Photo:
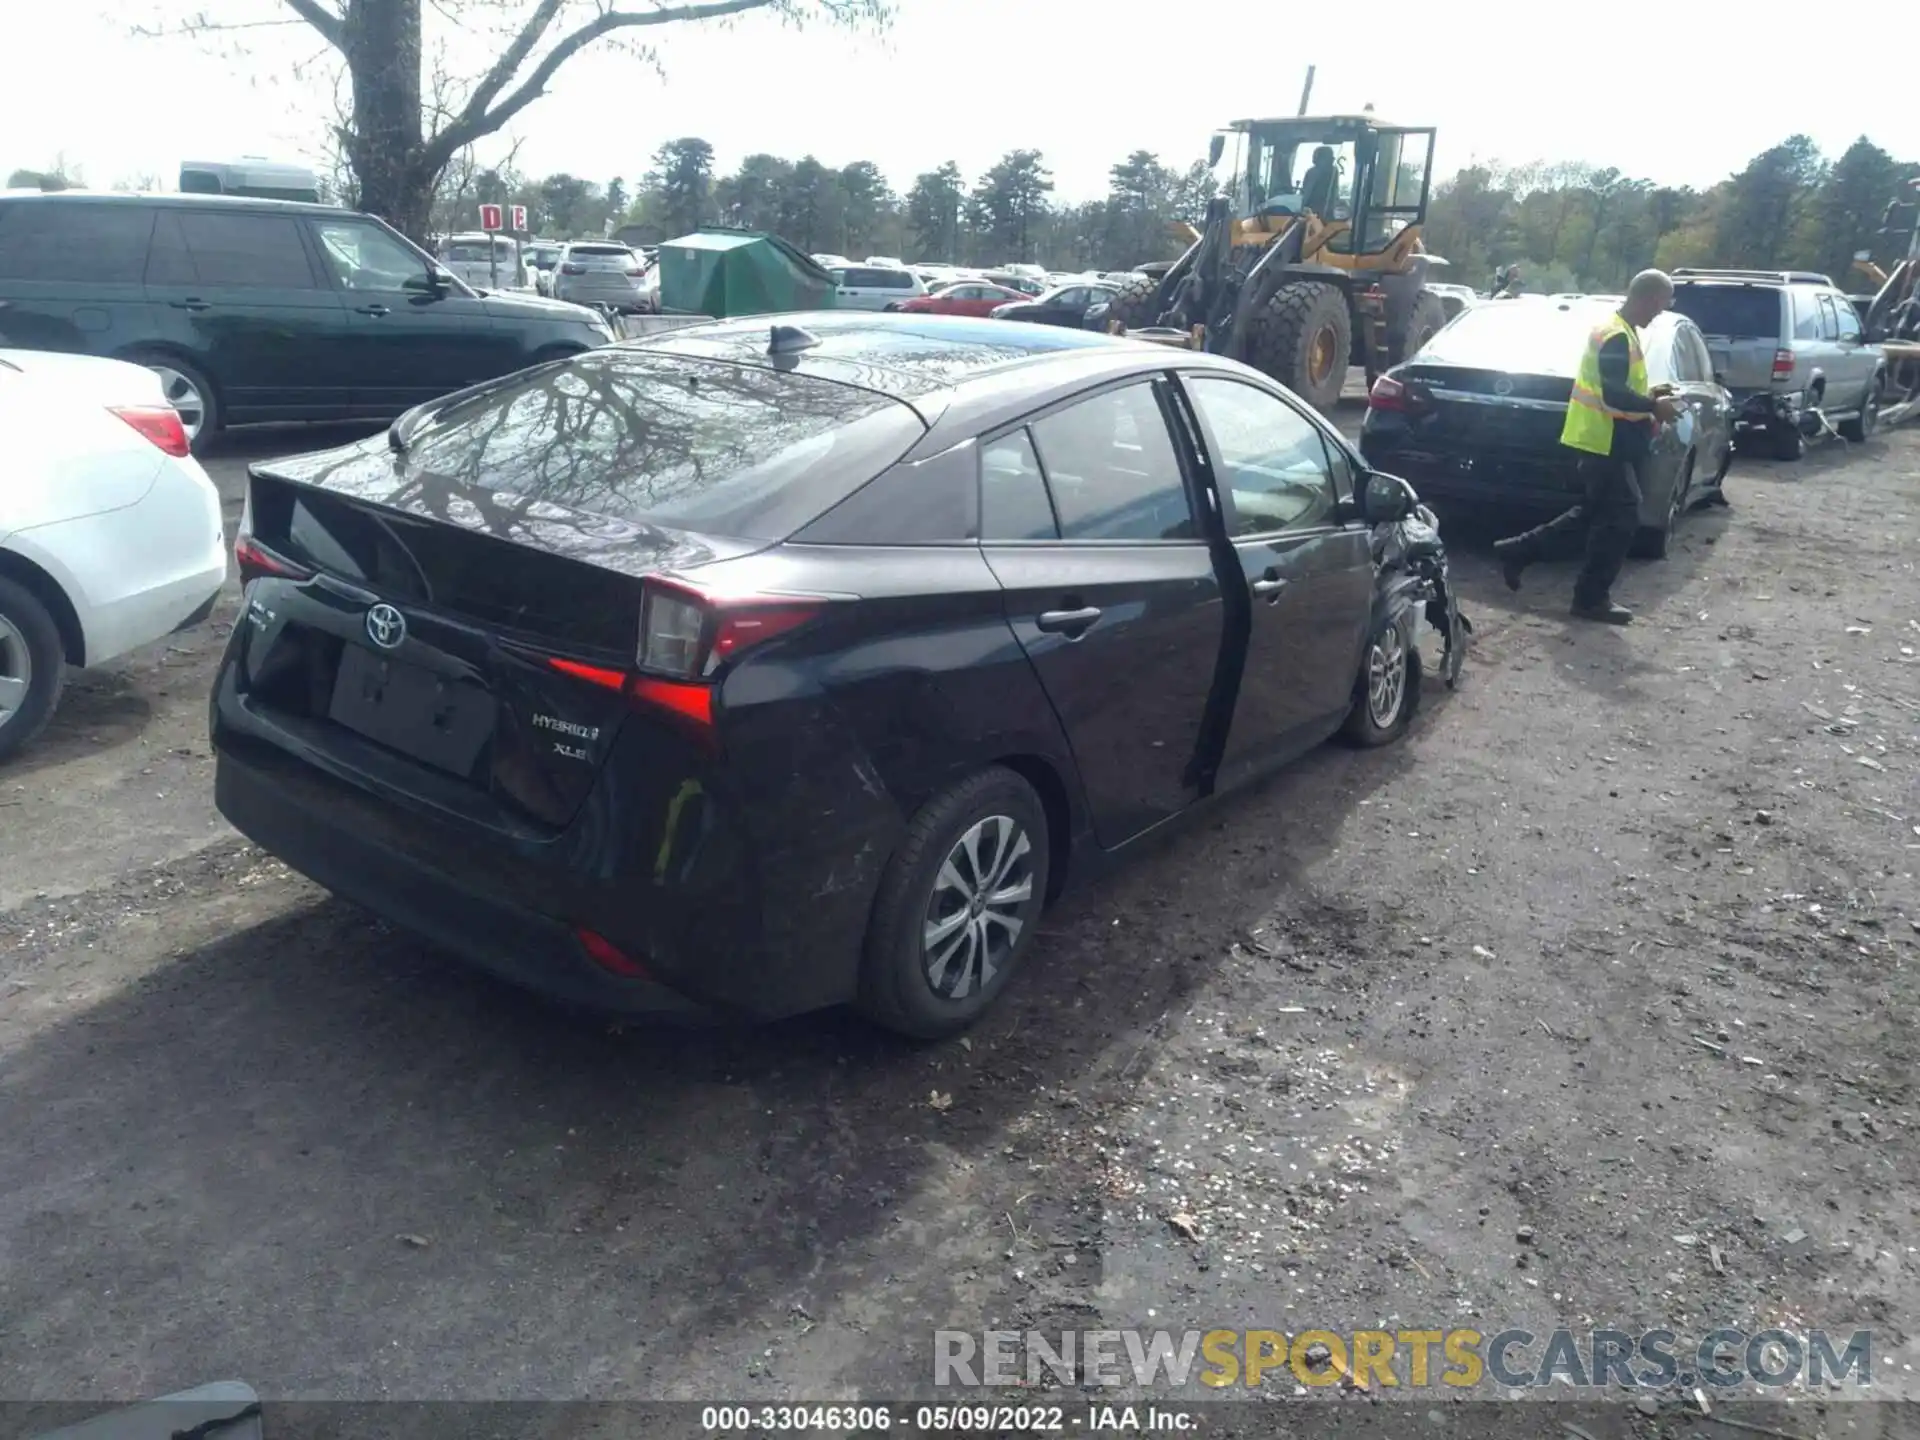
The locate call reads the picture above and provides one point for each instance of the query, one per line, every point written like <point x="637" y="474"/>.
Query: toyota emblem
<point x="386" y="627"/>
<point x="1503" y="386"/>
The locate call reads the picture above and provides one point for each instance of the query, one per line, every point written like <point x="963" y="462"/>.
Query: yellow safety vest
<point x="1589" y="425"/>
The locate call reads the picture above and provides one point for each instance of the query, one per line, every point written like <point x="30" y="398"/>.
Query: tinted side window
<point x="1268" y="455"/>
<point x="895" y="280"/>
<point x="1112" y="469"/>
<point x="47" y="240"/>
<point x="1013" y="496"/>
<point x="249" y="251"/>
<point x="1829" y="322"/>
<point x="857" y="278"/>
<point x="1806" y="315"/>
<point x="935" y="501"/>
<point x="1848" y="317"/>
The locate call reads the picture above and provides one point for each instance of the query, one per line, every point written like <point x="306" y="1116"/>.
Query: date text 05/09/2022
<point x="987" y="1419"/>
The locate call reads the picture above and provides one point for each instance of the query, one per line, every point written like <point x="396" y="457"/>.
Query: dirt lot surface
<point x="1590" y="1004"/>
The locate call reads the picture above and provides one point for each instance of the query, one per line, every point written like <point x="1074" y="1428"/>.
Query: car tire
<point x="30" y="650"/>
<point x="1387" y="690"/>
<point x="1786" y="442"/>
<point x="1860" y="429"/>
<point x="925" y="982"/>
<point x="189" y="392"/>
<point x="1650" y="541"/>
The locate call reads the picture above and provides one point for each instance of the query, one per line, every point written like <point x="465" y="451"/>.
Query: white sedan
<point x="110" y="533"/>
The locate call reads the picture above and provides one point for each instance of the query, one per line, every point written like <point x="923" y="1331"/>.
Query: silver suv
<point x="604" y="274"/>
<point x="1787" y="343"/>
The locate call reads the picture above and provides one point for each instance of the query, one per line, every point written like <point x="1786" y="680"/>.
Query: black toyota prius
<point x="776" y="664"/>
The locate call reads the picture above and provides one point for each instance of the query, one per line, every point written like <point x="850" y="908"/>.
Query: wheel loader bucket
<point x="1168" y="335"/>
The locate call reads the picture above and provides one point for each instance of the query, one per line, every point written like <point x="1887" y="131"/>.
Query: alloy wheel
<point x="16" y="671"/>
<point x="185" y="397"/>
<point x="1386" y="677"/>
<point x="974" y="918"/>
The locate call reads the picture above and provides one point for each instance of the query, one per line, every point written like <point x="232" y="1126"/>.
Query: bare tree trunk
<point x="381" y="39"/>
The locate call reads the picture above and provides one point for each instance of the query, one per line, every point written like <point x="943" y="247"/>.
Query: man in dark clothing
<point x="1320" y="187"/>
<point x="1610" y="421"/>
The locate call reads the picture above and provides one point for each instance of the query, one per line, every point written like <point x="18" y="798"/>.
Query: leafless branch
<point x="200" y="25"/>
<point x="327" y="22"/>
<point x="476" y="119"/>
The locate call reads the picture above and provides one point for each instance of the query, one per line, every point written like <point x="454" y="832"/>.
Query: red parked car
<point x="963" y="297"/>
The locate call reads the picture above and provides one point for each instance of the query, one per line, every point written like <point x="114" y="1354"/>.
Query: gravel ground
<point x="1589" y="1004"/>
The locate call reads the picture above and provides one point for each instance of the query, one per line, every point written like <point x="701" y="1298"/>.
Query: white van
<point x="466" y="256"/>
<point x="874" y="287"/>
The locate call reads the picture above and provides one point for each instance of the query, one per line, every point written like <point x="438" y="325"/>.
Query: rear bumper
<point x="621" y="297"/>
<point x="538" y="952"/>
<point x="741" y="885"/>
<point x="1768" y="407"/>
<point x="1546" y="482"/>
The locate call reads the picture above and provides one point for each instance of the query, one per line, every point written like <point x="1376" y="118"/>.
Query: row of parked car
<point x="1760" y="362"/>
<point x="1025" y="292"/>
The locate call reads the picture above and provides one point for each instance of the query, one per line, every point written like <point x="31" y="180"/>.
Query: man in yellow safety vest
<point x="1610" y="421"/>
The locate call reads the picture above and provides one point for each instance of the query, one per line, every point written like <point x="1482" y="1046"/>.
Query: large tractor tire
<point x="1133" y="307"/>
<point x="1304" y="339"/>
<point x="1429" y="315"/>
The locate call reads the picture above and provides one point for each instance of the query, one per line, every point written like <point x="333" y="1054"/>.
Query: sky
<point x="962" y="80"/>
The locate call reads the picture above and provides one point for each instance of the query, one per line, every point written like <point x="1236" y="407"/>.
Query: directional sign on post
<point x="519" y="218"/>
<point x="490" y="217"/>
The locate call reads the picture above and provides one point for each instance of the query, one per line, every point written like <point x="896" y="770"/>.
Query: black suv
<point x="262" y="310"/>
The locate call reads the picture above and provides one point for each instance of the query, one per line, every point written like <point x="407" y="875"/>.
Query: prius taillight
<point x="686" y="635"/>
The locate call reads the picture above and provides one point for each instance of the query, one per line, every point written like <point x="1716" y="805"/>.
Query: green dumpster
<point x="724" y="273"/>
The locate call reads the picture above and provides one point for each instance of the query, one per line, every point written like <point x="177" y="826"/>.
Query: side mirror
<point x="1216" y="147"/>
<point x="434" y="282"/>
<point x="1386" y="499"/>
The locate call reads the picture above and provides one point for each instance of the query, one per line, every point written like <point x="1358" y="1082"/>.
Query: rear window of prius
<point x="688" y="444"/>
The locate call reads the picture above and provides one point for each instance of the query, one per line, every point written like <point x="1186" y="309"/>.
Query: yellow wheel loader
<point x="1892" y="317"/>
<point x="1311" y="262"/>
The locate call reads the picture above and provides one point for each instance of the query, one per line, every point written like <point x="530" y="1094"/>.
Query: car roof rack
<point x="1767" y="277"/>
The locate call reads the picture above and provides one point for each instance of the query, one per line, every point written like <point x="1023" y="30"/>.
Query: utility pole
<point x="1306" y="91"/>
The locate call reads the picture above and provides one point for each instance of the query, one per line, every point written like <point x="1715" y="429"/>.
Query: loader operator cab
<point x="1348" y="170"/>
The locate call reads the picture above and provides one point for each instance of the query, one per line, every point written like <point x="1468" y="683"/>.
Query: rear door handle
<point x="1071" y="623"/>
<point x="371" y="310"/>
<point x="1269" y="588"/>
<point x="190" y="305"/>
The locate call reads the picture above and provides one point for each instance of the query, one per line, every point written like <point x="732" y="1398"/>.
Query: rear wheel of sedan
<point x="32" y="666"/>
<point x="957" y="907"/>
<point x="1387" y="690"/>
<point x="1650" y="541"/>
